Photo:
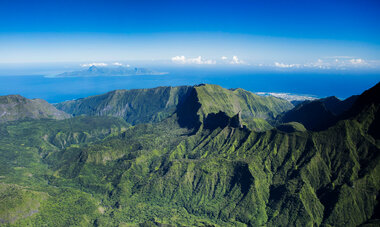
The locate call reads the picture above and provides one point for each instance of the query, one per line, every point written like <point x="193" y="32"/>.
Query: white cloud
<point x="198" y="60"/>
<point x="337" y="63"/>
<point x="236" y="60"/>
<point x="357" y="61"/>
<point x="283" y="65"/>
<point x="224" y="58"/>
<point x="117" y="64"/>
<point x="179" y="59"/>
<point x="94" y="64"/>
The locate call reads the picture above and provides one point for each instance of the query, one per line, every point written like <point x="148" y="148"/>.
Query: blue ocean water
<point x="60" y="89"/>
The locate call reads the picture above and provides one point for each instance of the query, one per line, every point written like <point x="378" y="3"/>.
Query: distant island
<point x="95" y="71"/>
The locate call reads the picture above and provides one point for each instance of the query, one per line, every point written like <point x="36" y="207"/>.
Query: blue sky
<point x="281" y="34"/>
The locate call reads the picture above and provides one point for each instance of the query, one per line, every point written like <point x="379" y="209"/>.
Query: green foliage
<point x="64" y="207"/>
<point x="18" y="202"/>
<point x="24" y="144"/>
<point x="291" y="127"/>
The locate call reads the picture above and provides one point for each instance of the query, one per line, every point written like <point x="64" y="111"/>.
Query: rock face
<point x="16" y="107"/>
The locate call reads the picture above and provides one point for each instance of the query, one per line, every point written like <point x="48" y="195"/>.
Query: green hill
<point x="16" y="107"/>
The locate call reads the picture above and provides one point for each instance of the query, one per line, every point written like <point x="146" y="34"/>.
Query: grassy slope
<point x="25" y="186"/>
<point x="255" y="110"/>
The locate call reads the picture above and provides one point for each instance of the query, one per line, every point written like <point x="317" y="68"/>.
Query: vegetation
<point x="198" y="167"/>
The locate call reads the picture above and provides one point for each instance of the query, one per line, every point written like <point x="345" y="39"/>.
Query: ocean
<point x="56" y="90"/>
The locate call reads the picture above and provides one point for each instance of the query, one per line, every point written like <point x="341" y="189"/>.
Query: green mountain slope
<point x="25" y="188"/>
<point x="153" y="105"/>
<point x="254" y="110"/>
<point x="16" y="107"/>
<point x="220" y="174"/>
<point x="206" y="100"/>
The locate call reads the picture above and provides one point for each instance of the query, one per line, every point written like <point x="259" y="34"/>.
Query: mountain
<point x="16" y="107"/>
<point x="200" y="166"/>
<point x="109" y="71"/>
<point x="254" y="110"/>
<point x="318" y="114"/>
<point x="135" y="106"/>
<point x="153" y="105"/>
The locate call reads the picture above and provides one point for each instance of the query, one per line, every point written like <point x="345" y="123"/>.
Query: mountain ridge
<point x="151" y="103"/>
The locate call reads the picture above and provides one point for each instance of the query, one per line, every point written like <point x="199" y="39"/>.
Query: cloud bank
<point x="336" y="62"/>
<point x="283" y="65"/>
